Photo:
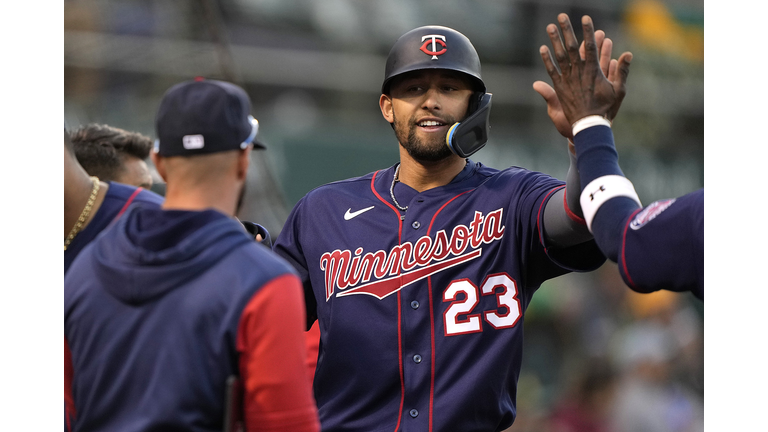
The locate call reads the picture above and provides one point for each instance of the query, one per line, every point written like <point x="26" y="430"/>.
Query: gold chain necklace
<point x="84" y="214"/>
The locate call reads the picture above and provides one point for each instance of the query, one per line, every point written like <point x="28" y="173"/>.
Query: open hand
<point x="581" y="86"/>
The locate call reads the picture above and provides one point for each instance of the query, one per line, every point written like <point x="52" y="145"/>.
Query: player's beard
<point x="431" y="150"/>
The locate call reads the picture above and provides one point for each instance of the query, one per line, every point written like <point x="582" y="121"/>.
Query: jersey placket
<point x="417" y="329"/>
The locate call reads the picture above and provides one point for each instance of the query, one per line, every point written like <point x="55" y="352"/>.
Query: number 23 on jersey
<point x="459" y="319"/>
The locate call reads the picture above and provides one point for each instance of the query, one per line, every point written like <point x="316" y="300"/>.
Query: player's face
<point x="424" y="105"/>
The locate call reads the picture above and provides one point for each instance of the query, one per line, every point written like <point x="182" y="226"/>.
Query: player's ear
<point x="385" y="103"/>
<point x="243" y="160"/>
<point x="159" y="163"/>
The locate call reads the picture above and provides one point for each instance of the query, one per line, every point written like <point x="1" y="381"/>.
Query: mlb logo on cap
<point x="193" y="141"/>
<point x="204" y="116"/>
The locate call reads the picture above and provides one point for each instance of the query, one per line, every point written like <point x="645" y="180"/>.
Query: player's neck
<point x="423" y="176"/>
<point x="77" y="191"/>
<point x="199" y="198"/>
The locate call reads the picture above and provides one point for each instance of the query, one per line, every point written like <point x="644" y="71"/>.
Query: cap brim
<point x="258" y="144"/>
<point x="252" y="137"/>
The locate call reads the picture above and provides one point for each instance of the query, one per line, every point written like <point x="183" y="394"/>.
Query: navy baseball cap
<point x="204" y="116"/>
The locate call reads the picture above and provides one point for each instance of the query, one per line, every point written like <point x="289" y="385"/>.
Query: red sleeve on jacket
<point x="312" y="337"/>
<point x="69" y="373"/>
<point x="270" y="340"/>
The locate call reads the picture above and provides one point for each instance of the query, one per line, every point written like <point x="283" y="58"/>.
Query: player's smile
<point x="433" y="124"/>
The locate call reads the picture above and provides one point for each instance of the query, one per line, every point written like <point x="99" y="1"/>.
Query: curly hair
<point x="101" y="149"/>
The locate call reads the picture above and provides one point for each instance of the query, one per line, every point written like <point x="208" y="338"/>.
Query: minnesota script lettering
<point x="344" y="270"/>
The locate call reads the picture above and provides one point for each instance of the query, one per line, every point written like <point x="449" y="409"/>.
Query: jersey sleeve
<point x="277" y="395"/>
<point x="662" y="246"/>
<point x="288" y="246"/>
<point x="541" y="262"/>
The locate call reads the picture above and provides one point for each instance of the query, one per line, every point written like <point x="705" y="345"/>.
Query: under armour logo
<point x="592" y="195"/>
<point x="433" y="40"/>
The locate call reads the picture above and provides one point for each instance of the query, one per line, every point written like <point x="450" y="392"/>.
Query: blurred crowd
<point x="599" y="357"/>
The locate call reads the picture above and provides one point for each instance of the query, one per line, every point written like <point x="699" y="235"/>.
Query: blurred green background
<point x="313" y="70"/>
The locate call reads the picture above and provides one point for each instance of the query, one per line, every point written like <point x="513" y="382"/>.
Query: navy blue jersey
<point x="162" y="308"/>
<point x="663" y="246"/>
<point x="114" y="201"/>
<point x="420" y="312"/>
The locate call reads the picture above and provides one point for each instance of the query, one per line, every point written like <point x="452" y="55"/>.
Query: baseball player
<point x="168" y="310"/>
<point x="90" y="205"/>
<point x="657" y="247"/>
<point x="419" y="274"/>
<point x="112" y="153"/>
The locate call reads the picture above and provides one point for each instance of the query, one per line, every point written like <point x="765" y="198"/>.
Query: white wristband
<point x="600" y="190"/>
<point x="589" y="121"/>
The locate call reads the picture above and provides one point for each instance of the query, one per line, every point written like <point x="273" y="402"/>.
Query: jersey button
<point x="414" y="304"/>
<point x="417" y="358"/>
<point x="414" y="413"/>
<point x="416" y="225"/>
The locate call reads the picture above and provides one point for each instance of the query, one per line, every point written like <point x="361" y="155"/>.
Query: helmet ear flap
<point x="474" y="102"/>
<point x="470" y="135"/>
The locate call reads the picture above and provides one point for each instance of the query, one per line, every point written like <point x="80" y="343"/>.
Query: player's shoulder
<point x="350" y="187"/>
<point x="513" y="174"/>
<point x="123" y="192"/>
<point x="257" y="266"/>
<point x="693" y="199"/>
<point x="260" y="259"/>
<point x="353" y="182"/>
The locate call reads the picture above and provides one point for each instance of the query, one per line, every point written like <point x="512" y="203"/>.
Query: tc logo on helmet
<point x="433" y="40"/>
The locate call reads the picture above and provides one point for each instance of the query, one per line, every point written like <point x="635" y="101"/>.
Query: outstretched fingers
<point x="559" y="50"/>
<point x="599" y="38"/>
<point x="571" y="44"/>
<point x="605" y="55"/>
<point x="622" y="73"/>
<point x="617" y="75"/>
<point x="623" y="66"/>
<point x="590" y="45"/>
<point x="546" y="91"/>
<point x="549" y="65"/>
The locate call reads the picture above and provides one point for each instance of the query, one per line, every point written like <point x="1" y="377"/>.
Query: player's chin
<point x="428" y="152"/>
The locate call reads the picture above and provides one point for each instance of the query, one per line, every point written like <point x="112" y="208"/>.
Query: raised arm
<point x="587" y="98"/>
<point x="658" y="247"/>
<point x="563" y="218"/>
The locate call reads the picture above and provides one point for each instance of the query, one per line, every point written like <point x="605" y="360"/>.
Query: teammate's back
<point x="155" y="352"/>
<point x="165" y="307"/>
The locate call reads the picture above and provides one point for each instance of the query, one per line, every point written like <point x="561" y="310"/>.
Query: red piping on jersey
<point x="432" y="318"/>
<point x="574" y="217"/>
<point x="432" y="334"/>
<point x="127" y="203"/>
<point x="630" y="282"/>
<point x="399" y="304"/>
<point x="538" y="215"/>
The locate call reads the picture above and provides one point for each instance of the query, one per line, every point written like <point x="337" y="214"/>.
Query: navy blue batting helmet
<point x="433" y="47"/>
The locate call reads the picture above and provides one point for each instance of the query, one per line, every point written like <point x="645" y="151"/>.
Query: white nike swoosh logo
<point x="349" y="215"/>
